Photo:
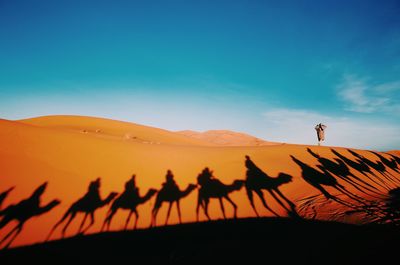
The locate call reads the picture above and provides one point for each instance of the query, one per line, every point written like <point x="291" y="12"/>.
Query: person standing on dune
<point x="320" y="128"/>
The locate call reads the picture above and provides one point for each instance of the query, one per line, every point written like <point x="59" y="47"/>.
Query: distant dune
<point x="71" y="151"/>
<point x="226" y="138"/>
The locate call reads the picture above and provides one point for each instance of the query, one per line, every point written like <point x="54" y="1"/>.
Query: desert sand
<point x="226" y="138"/>
<point x="70" y="151"/>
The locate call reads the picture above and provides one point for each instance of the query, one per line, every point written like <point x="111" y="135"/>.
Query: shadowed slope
<point x="240" y="241"/>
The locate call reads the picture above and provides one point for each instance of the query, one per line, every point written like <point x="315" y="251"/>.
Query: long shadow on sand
<point x="320" y="179"/>
<point x="362" y="168"/>
<point x="171" y="194"/>
<point x="24" y="211"/>
<point x="88" y="204"/>
<point x="338" y="168"/>
<point x="257" y="181"/>
<point x="129" y="199"/>
<point x="211" y="187"/>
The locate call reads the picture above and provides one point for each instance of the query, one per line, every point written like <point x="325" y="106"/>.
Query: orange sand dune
<point x="68" y="152"/>
<point x="226" y="138"/>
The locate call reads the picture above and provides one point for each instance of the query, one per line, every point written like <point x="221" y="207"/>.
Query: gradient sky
<point x="273" y="69"/>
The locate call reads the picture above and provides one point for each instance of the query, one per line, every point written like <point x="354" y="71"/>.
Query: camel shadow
<point x="392" y="163"/>
<point x="3" y="196"/>
<point x="130" y="199"/>
<point x="23" y="211"/>
<point x="321" y="179"/>
<point x="171" y="194"/>
<point x="211" y="187"/>
<point x="378" y="167"/>
<point x="257" y="181"/>
<point x="362" y="168"/>
<point x="338" y="168"/>
<point x="88" y="204"/>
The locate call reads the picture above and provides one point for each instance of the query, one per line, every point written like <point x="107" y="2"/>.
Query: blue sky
<point x="269" y="68"/>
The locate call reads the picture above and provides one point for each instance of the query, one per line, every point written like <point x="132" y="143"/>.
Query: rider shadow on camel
<point x="211" y="187"/>
<point x="257" y="181"/>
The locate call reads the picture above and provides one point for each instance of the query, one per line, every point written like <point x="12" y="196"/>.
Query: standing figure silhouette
<point x="320" y="128"/>
<point x="23" y="211"/>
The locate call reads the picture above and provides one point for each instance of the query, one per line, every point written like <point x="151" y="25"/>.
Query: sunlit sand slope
<point x="70" y="152"/>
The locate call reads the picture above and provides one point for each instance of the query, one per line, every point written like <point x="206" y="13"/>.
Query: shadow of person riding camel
<point x="362" y="168"/>
<point x="391" y="181"/>
<point x="211" y="187"/>
<point x="319" y="179"/>
<point x="338" y="168"/>
<point x="24" y="211"/>
<point x="257" y="181"/>
<point x="130" y="199"/>
<point x="171" y="194"/>
<point x="88" y="204"/>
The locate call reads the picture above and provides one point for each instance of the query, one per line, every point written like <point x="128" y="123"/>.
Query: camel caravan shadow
<point x="379" y="182"/>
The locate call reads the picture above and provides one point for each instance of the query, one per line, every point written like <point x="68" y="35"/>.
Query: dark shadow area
<point x="257" y="181"/>
<point x="339" y="169"/>
<point x="213" y="188"/>
<point x="319" y="179"/>
<point x="392" y="207"/>
<point x="129" y="199"/>
<point x="88" y="204"/>
<point x="362" y="168"/>
<point x="232" y="241"/>
<point x="24" y="211"/>
<point x="392" y="164"/>
<point x="171" y="194"/>
<point x="3" y="196"/>
<point x="395" y="158"/>
<point x="378" y="167"/>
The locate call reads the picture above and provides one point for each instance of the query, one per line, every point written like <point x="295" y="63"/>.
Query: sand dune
<point x="71" y="151"/>
<point x="226" y="138"/>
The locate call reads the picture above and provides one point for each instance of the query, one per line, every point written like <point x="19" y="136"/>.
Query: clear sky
<point x="273" y="69"/>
